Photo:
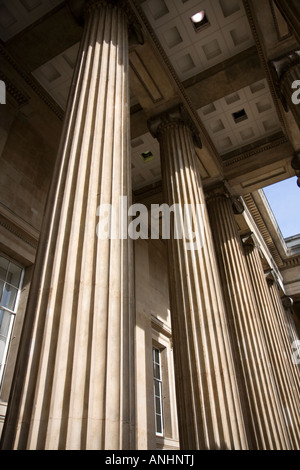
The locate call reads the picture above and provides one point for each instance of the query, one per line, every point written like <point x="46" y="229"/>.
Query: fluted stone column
<point x="287" y="79"/>
<point x="290" y="10"/>
<point x="274" y="336"/>
<point x="209" y="412"/>
<point x="290" y="335"/>
<point x="73" y="386"/>
<point x="265" y="420"/>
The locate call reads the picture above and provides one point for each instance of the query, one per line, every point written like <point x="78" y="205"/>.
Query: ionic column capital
<point x="223" y="191"/>
<point x="284" y="64"/>
<point x="81" y="9"/>
<point x="287" y="302"/>
<point x="172" y="118"/>
<point x="295" y="163"/>
<point x="286" y="70"/>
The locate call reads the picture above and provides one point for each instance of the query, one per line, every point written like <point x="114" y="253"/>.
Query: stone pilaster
<point x="287" y="77"/>
<point x="73" y="387"/>
<point x="290" y="10"/>
<point x="274" y="336"/>
<point x="209" y="411"/>
<point x="265" y="421"/>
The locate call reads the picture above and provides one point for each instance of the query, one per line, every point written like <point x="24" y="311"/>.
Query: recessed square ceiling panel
<point x="192" y="50"/>
<point x="55" y="76"/>
<point x="145" y="171"/>
<point x="16" y="15"/>
<point x="241" y="118"/>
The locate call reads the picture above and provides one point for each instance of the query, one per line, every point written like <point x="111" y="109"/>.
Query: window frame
<point x="12" y="313"/>
<point x="159" y="381"/>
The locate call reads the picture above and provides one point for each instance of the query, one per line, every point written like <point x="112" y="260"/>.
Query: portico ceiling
<point x="236" y="115"/>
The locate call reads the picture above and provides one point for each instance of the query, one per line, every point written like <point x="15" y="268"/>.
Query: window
<point x="10" y="283"/>
<point x="158" y="402"/>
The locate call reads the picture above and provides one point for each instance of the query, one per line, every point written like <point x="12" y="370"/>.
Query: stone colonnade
<point x="275" y="330"/>
<point x="74" y="380"/>
<point x="265" y="418"/>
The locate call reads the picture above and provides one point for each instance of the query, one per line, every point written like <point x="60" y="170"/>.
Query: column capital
<point x="283" y="64"/>
<point x="249" y="240"/>
<point x="175" y="116"/>
<point x="296" y="160"/>
<point x="80" y="8"/>
<point x="251" y="243"/>
<point x="223" y="190"/>
<point x="287" y="302"/>
<point x="295" y="164"/>
<point x="280" y="67"/>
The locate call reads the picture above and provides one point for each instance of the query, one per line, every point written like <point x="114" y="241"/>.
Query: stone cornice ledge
<point x="239" y="156"/>
<point x="18" y="227"/>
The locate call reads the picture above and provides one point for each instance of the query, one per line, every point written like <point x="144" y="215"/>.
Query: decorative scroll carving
<point x="177" y="114"/>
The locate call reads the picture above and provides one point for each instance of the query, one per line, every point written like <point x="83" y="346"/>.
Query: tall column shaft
<point x="288" y="336"/>
<point x="75" y="372"/>
<point x="274" y="339"/>
<point x="265" y="421"/>
<point x="209" y="412"/>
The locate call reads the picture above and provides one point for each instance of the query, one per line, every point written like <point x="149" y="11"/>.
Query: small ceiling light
<point x="147" y="156"/>
<point x="239" y="116"/>
<point x="199" y="20"/>
<point x="198" y="17"/>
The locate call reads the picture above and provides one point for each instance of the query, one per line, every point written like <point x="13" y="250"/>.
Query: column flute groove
<point x="208" y="403"/>
<point x="265" y="422"/>
<point x="276" y="300"/>
<point x="74" y="382"/>
<point x="274" y="339"/>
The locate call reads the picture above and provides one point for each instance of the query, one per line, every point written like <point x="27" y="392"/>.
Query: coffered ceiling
<point x="241" y="118"/>
<point x="193" y="51"/>
<point x="16" y="15"/>
<point x="233" y="116"/>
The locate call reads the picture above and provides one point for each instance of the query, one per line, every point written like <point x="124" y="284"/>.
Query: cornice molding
<point x="238" y="157"/>
<point x="18" y="227"/>
<point x="291" y="263"/>
<point x="18" y="96"/>
<point x="32" y="83"/>
<point x="263" y="229"/>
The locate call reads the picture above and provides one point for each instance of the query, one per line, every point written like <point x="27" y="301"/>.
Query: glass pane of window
<point x="157" y="406"/>
<point x="14" y="275"/>
<point x="5" y="323"/>
<point x="156" y="355"/>
<point x="158" y="425"/>
<point x="156" y="371"/>
<point x="156" y="388"/>
<point x="9" y="296"/>
<point x="3" y="267"/>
